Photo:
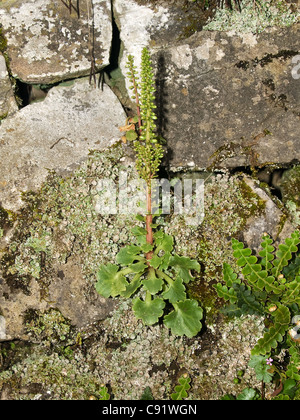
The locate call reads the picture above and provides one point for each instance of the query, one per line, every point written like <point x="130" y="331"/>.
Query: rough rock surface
<point x="7" y="100"/>
<point x="2" y="328"/>
<point x="224" y="99"/>
<point x="227" y="100"/>
<point x="272" y="221"/>
<point x="137" y="24"/>
<point x="67" y="293"/>
<point x="75" y="240"/>
<point x="46" y="43"/>
<point x="154" y="24"/>
<point x="56" y="134"/>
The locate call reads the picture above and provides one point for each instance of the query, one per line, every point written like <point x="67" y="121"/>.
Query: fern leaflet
<point x="253" y="272"/>
<point x="275" y="334"/>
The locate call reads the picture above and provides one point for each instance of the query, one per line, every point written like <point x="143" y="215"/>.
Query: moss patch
<point x="290" y="190"/>
<point x="290" y="185"/>
<point x="3" y="41"/>
<point x="128" y="357"/>
<point x="229" y="203"/>
<point x="250" y="19"/>
<point x="61" y="221"/>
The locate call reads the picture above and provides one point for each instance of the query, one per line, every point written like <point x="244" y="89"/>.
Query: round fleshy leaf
<point x="185" y="319"/>
<point x="149" y="311"/>
<point x="111" y="281"/>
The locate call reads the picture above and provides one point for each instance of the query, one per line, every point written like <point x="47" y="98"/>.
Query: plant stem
<point x="262" y="390"/>
<point x="148" y="297"/>
<point x="164" y="276"/>
<point x="149" y="153"/>
<point x="149" y="219"/>
<point x="136" y="94"/>
<point x="138" y="110"/>
<point x="126" y="271"/>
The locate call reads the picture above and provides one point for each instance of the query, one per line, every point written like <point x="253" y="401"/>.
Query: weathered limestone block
<point x="7" y="100"/>
<point x="152" y="24"/>
<point x="226" y="100"/>
<point x="55" y="134"/>
<point x="66" y="293"/>
<point x="46" y="43"/>
<point x="272" y="220"/>
<point x="2" y="328"/>
<point x="137" y="23"/>
<point x="157" y="22"/>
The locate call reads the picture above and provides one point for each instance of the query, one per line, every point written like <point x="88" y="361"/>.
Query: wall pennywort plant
<point x="150" y="264"/>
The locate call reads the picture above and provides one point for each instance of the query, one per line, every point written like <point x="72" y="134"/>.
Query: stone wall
<point x="224" y="99"/>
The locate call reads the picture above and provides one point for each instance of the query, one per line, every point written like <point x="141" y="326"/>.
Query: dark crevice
<point x="115" y="46"/>
<point x="27" y="93"/>
<point x="269" y="175"/>
<point x="22" y="93"/>
<point x="113" y="75"/>
<point x="247" y="170"/>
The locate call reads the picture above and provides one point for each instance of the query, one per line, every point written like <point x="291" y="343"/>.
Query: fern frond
<point x="292" y="294"/>
<point x="293" y="370"/>
<point x="254" y="273"/>
<point x="267" y="252"/>
<point x="182" y="388"/>
<point x="231" y="311"/>
<point x="293" y="269"/>
<point x="247" y="301"/>
<point x="230" y="277"/>
<point x="275" y="334"/>
<point x="225" y="292"/>
<point x="267" y="342"/>
<point x="284" y="253"/>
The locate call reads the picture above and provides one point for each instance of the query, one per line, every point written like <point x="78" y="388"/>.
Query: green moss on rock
<point x="253" y="19"/>
<point x="62" y="219"/>
<point x="128" y="357"/>
<point x="229" y="203"/>
<point x="290" y="190"/>
<point x="120" y="352"/>
<point x="290" y="185"/>
<point x="3" y="41"/>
